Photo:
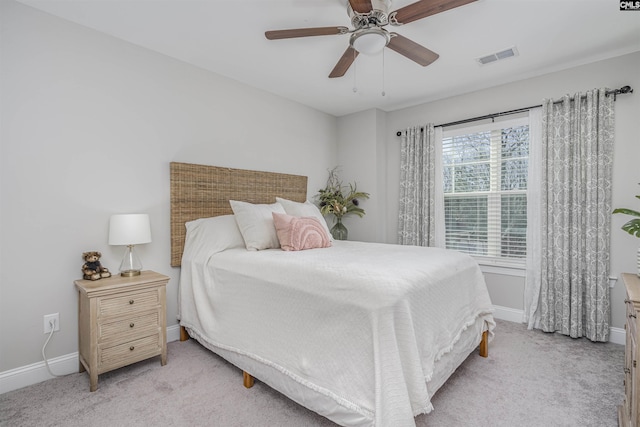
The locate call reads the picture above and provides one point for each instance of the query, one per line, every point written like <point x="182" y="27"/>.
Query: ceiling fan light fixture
<point x="370" y="40"/>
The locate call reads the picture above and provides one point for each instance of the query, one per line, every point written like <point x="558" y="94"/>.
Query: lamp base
<point x="130" y="273"/>
<point x="130" y="265"/>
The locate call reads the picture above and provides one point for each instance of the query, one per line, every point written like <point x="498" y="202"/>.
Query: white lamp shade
<point x="129" y="229"/>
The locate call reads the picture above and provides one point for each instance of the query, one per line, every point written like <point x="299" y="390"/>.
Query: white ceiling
<point x="227" y="37"/>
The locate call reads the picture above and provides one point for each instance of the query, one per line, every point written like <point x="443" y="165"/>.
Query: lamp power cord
<point x="52" y="323"/>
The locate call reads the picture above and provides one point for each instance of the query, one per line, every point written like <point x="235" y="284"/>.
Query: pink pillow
<point x="298" y="233"/>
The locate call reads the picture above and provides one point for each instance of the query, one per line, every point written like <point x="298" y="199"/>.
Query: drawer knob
<point x="130" y="301"/>
<point x="131" y="325"/>
<point x="131" y="348"/>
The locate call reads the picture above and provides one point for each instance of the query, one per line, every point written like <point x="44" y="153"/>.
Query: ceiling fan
<point x="369" y="17"/>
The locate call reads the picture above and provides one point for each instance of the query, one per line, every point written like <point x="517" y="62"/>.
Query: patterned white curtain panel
<point x="421" y="198"/>
<point x="577" y="155"/>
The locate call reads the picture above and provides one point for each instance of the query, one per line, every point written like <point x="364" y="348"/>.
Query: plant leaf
<point x="627" y="212"/>
<point x="632" y="227"/>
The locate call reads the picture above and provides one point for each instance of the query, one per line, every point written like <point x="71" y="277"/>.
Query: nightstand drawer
<point x="130" y="327"/>
<point x="124" y="354"/>
<point x="127" y="304"/>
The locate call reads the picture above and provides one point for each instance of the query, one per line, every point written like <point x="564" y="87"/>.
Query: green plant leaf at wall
<point x="632" y="227"/>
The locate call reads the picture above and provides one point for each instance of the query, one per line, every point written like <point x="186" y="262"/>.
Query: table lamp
<point x="129" y="230"/>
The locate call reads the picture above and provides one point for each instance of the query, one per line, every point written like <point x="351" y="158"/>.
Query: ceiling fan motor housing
<point x="377" y="17"/>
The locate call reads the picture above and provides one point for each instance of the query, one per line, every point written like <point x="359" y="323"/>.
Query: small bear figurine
<point x="92" y="269"/>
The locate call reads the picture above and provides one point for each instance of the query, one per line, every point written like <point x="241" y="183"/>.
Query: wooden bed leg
<point x="247" y="380"/>
<point x="484" y="344"/>
<point x="184" y="335"/>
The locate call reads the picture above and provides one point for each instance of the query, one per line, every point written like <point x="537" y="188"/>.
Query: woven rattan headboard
<point x="199" y="191"/>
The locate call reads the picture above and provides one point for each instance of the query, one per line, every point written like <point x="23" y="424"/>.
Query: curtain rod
<point x="615" y="92"/>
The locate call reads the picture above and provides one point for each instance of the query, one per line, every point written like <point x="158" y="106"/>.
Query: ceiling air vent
<point x="504" y="54"/>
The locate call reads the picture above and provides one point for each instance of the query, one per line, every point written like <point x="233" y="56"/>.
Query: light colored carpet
<point x="530" y="379"/>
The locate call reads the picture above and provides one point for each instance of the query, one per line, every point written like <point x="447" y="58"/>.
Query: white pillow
<point x="256" y="224"/>
<point x="206" y="236"/>
<point x="304" y="209"/>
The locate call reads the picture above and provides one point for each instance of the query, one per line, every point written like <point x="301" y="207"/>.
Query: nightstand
<point x="121" y="320"/>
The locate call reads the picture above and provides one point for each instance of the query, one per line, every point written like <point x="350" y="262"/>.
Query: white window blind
<point x="485" y="189"/>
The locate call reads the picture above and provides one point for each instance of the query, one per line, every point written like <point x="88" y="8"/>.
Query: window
<point x="485" y="189"/>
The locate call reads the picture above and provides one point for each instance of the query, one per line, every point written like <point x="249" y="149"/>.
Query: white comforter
<point x="360" y="323"/>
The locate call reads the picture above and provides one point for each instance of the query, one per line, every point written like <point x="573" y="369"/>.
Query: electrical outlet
<point x="56" y="319"/>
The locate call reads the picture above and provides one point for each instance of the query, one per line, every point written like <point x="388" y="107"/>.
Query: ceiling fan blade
<point x="305" y="32"/>
<point x="412" y="50"/>
<point x="422" y="9"/>
<point x="344" y="63"/>
<point x="361" y="6"/>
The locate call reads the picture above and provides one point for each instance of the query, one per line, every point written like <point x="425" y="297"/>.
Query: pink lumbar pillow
<point x="298" y="233"/>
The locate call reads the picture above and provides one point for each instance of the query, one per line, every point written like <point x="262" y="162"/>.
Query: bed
<point x="361" y="333"/>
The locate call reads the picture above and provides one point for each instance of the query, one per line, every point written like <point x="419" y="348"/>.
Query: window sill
<point x="501" y="267"/>
<point x="517" y="270"/>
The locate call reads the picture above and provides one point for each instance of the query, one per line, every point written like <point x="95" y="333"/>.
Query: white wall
<point x="89" y="124"/>
<point x="361" y="157"/>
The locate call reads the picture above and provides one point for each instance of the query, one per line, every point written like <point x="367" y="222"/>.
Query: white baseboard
<point x="37" y="372"/>
<point x="616" y="335"/>
<point x="173" y="333"/>
<point x="64" y="365"/>
<point x="69" y="363"/>
<point x="509" y="314"/>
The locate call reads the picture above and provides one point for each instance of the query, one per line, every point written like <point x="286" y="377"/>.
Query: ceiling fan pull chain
<point x="383" y="73"/>
<point x="355" y="85"/>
